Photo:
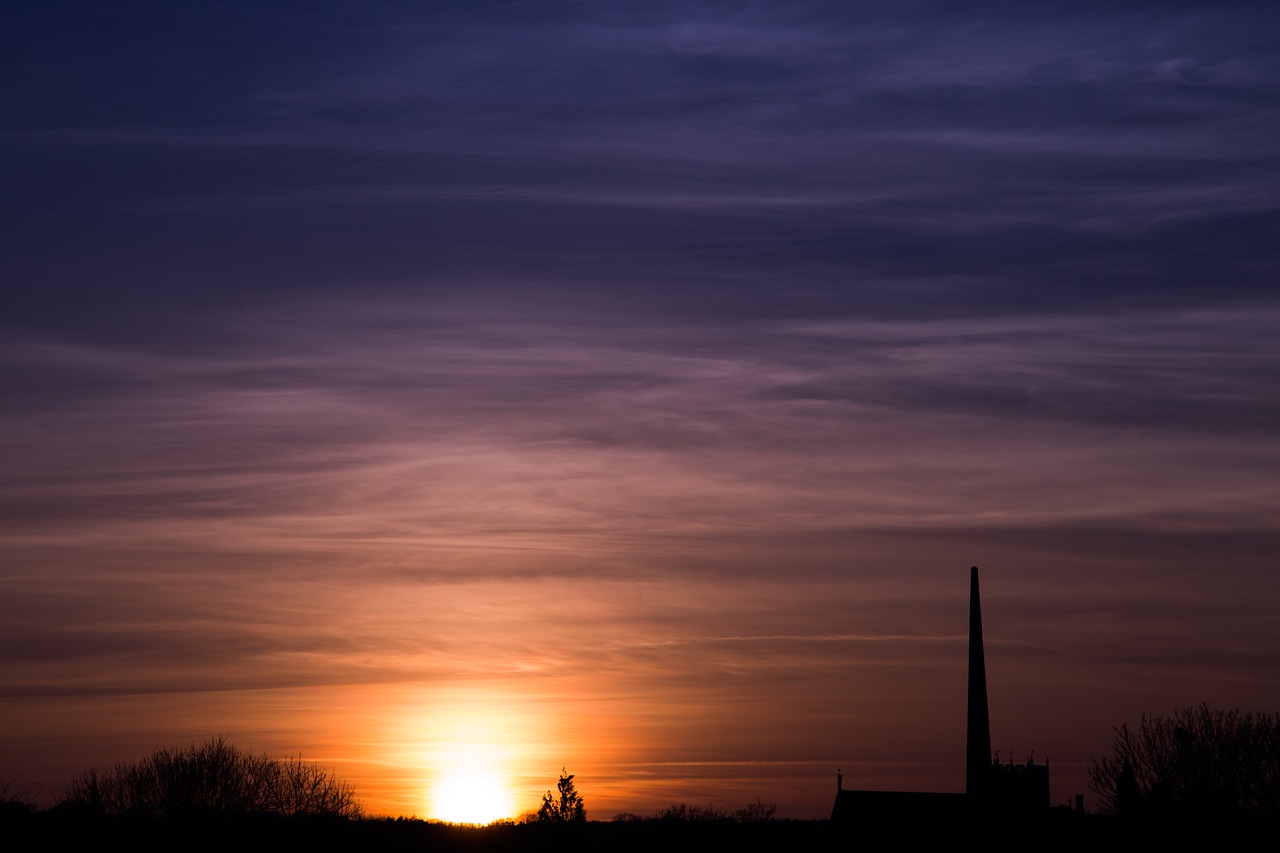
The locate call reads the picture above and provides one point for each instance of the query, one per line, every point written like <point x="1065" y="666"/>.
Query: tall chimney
<point x="978" y="752"/>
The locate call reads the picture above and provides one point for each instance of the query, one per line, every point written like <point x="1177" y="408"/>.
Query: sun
<point x="471" y="774"/>
<point x="463" y="746"/>
<point x="471" y="795"/>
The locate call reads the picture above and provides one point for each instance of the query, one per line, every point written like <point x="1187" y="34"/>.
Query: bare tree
<point x="212" y="778"/>
<point x="1197" y="760"/>
<point x="299" y="787"/>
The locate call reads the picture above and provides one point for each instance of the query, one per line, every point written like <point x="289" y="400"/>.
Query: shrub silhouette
<point x="17" y="803"/>
<point x="684" y="812"/>
<point x="1198" y="761"/>
<point x="569" y="808"/>
<point x="211" y="779"/>
<point x="756" y="812"/>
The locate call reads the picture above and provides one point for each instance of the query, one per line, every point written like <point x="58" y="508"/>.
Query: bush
<point x="1197" y="761"/>
<point x="211" y="779"/>
<point x="756" y="812"/>
<point x="685" y="812"/>
<point x="17" y="803"/>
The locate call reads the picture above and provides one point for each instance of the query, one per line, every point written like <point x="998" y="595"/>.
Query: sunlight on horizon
<point x="472" y="796"/>
<point x="468" y="748"/>
<point x="471" y="767"/>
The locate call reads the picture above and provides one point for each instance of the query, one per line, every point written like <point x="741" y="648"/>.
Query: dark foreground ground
<point x="51" y="830"/>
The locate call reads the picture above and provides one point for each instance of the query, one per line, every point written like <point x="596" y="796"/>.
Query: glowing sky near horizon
<point x="461" y="394"/>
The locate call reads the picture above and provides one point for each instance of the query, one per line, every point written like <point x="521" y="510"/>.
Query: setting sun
<point x="471" y="796"/>
<point x="477" y="403"/>
<point x="469" y="753"/>
<point x="471" y="779"/>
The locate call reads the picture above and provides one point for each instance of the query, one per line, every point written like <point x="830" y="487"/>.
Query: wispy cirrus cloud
<point x="665" y="362"/>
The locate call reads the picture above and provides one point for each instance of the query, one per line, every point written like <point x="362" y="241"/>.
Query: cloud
<point x="394" y="492"/>
<point x="682" y="352"/>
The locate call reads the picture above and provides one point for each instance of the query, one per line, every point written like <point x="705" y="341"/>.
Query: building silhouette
<point x="991" y="788"/>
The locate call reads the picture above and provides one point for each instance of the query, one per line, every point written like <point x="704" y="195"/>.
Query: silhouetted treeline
<point x="1200" y="777"/>
<point x="1065" y="832"/>
<point x="1197" y="762"/>
<point x="54" y="830"/>
<point x="1061" y="830"/>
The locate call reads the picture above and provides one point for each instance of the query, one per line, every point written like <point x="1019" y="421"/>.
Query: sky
<point x="451" y="393"/>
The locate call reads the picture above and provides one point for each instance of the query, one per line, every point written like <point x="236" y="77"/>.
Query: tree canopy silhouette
<point x="569" y="808"/>
<point x="212" y="779"/>
<point x="1197" y="761"/>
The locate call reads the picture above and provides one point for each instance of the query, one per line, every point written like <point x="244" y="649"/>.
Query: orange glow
<point x="464" y="746"/>
<point x="470" y="760"/>
<point x="470" y="793"/>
